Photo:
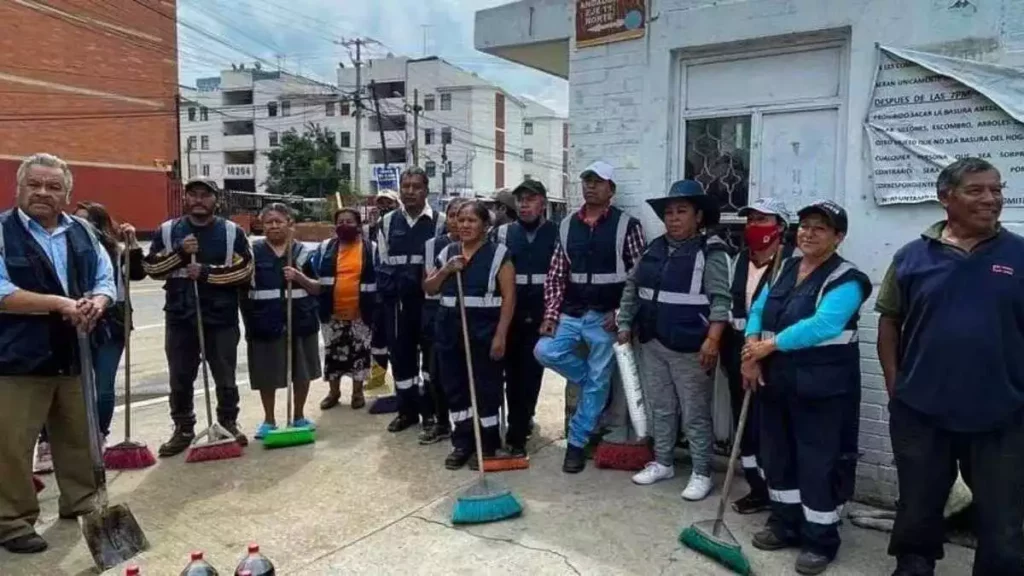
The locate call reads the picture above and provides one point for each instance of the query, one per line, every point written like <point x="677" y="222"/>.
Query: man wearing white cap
<point x="599" y="245"/>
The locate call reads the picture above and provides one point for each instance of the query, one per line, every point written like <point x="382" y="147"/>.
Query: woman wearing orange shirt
<point x="348" y="285"/>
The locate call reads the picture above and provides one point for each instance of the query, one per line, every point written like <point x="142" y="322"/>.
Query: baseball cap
<point x="530" y="187"/>
<point x="834" y="213"/>
<point x="390" y="195"/>
<point x="506" y="199"/>
<point x="601" y="169"/>
<point x="201" y="181"/>
<point x="770" y="206"/>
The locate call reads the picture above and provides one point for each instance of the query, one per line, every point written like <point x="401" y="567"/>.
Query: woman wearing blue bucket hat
<point x="677" y="301"/>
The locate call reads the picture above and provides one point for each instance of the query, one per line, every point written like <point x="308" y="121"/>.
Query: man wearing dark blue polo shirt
<point x="951" y="344"/>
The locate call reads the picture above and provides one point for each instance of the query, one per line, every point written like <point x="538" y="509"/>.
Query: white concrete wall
<point x="624" y="108"/>
<point x="546" y="143"/>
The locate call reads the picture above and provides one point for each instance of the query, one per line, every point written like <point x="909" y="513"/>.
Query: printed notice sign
<point x="604" y="21"/>
<point x="920" y="120"/>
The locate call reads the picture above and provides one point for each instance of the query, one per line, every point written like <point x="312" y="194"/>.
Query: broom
<point x="289" y="436"/>
<point x="631" y="456"/>
<point x="128" y="455"/>
<point x="220" y="444"/>
<point x="38" y="484"/>
<point x="711" y="537"/>
<point x="386" y="404"/>
<point x="485" y="500"/>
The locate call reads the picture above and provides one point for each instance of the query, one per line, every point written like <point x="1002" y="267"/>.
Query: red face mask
<point x="761" y="236"/>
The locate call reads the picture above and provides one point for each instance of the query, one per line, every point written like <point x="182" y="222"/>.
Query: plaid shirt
<point x="558" y="272"/>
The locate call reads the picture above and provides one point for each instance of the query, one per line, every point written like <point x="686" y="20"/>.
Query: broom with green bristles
<point x="290" y="435"/>
<point x="486" y="500"/>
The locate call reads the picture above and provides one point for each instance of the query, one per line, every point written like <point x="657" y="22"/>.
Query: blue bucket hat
<point x="693" y="192"/>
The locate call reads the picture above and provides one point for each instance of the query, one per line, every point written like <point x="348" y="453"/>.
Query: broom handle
<point x="731" y="470"/>
<point x="288" y="336"/>
<point x="202" y="350"/>
<point x="126" y="283"/>
<point x="472" y="381"/>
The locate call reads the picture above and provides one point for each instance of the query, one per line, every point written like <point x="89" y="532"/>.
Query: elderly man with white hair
<point x="55" y="278"/>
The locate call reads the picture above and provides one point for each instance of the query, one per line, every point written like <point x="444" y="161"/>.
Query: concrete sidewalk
<point x="362" y="501"/>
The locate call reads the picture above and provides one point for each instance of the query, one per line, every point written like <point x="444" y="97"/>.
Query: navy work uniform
<point x="810" y="408"/>
<point x="483" y="309"/>
<point x="732" y="353"/>
<point x="400" y="283"/>
<point x="432" y="380"/>
<point x="324" y="262"/>
<point x="264" y="310"/>
<point x="531" y="252"/>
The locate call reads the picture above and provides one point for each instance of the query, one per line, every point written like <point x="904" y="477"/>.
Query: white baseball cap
<point x="601" y="169"/>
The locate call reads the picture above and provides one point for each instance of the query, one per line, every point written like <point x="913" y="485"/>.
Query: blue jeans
<point x="593" y="373"/>
<point x="105" y="360"/>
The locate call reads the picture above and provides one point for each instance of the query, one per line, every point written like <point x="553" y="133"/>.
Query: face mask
<point x="761" y="236"/>
<point x="347" y="233"/>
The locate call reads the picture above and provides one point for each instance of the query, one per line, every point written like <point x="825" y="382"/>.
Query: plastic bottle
<point x="198" y="567"/>
<point x="257" y="564"/>
<point x="132" y="570"/>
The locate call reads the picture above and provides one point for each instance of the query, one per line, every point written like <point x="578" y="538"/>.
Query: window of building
<point x="428" y="136"/>
<point x="329" y="134"/>
<point x="204" y="113"/>
<point x="286" y="108"/>
<point x="346" y="140"/>
<point x="346" y="171"/>
<point x="191" y="114"/>
<point x="428" y="103"/>
<point x="206" y="169"/>
<point x="271" y="108"/>
<point x="527" y="128"/>
<point x="446" y="101"/>
<point x="273" y="138"/>
<point x="431" y="168"/>
<point x="446" y="135"/>
<point x="329" y="108"/>
<point x="346" y="108"/>
<point x="192" y="169"/>
<point x="204" y="142"/>
<point x="448" y="168"/>
<point x="190" y="143"/>
<point x="718" y="156"/>
<point x="527" y="154"/>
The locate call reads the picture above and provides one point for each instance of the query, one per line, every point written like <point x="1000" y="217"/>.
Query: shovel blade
<point x="113" y="535"/>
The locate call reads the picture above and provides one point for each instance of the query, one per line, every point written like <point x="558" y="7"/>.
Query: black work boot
<point x="434" y="433"/>
<point x="575" y="460"/>
<point x="402" y="422"/>
<point x="457" y="458"/>
<point x="769" y="541"/>
<point x="811" y="563"/>
<point x="232" y="428"/>
<point x="28" y="544"/>
<point x="180" y="440"/>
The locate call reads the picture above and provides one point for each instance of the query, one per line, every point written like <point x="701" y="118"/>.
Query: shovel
<point x="111" y="532"/>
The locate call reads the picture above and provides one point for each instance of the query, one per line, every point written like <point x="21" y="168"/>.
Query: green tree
<point x="306" y="165"/>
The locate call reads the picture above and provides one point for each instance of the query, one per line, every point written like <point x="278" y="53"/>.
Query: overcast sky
<point x="301" y="35"/>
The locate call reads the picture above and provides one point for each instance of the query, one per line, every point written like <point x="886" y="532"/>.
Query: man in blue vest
<point x="531" y="241"/>
<point x="204" y="248"/>
<point x="951" y="345"/>
<point x="54" y="277"/>
<point x="404" y="233"/>
<point x="598" y="246"/>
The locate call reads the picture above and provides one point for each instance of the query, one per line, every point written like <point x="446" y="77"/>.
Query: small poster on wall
<point x="604" y="21"/>
<point x="929" y="110"/>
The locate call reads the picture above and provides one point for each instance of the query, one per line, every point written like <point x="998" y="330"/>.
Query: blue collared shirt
<point x="54" y="245"/>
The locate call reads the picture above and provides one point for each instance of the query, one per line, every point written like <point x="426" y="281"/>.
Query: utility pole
<point x="357" y="110"/>
<point x="416" y="127"/>
<point x="444" y="169"/>
<point x="380" y="123"/>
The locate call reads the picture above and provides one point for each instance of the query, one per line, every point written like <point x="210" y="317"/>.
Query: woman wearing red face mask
<point x="348" y="286"/>
<point x="764" y="245"/>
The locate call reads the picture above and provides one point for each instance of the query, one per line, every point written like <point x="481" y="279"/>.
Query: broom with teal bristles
<point x="486" y="500"/>
<point x="290" y="435"/>
<point x="711" y="537"/>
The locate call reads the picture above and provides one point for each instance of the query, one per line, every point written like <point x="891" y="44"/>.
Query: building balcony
<point x="534" y="33"/>
<point x="238" y="142"/>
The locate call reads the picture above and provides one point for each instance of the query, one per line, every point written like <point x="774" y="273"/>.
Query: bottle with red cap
<point x="132" y="570"/>
<point x="255" y="563"/>
<point x="198" y="567"/>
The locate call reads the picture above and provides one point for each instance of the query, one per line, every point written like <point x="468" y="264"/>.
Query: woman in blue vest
<point x="803" y="358"/>
<point x="264" y="313"/>
<point x="489" y="284"/>
<point x="677" y="300"/>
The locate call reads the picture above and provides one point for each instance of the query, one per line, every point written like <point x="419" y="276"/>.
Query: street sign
<point x="386" y="177"/>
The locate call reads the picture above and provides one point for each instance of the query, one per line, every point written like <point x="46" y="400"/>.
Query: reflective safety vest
<point x="400" y="258"/>
<point x="738" y="270"/>
<point x="42" y="344"/>
<point x="216" y="247"/>
<point x="431" y="250"/>
<point x="827" y="369"/>
<point x="674" y="307"/>
<point x="264" y="310"/>
<point x="325" y="263"/>
<point x="597" y="270"/>
<point x="531" y="259"/>
<point x="482" y="295"/>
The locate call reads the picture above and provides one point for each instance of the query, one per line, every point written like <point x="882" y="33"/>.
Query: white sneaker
<point x="44" y="461"/>
<point x="653" y="472"/>
<point x="697" y="488"/>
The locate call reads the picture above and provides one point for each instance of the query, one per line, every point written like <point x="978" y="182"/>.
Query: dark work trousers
<point x="926" y="464"/>
<point x="379" y="337"/>
<point x="402" y="325"/>
<point x="801" y="453"/>
<point x="181" y="344"/>
<point x="433" y="403"/>
<point x="523" y="377"/>
<point x="732" y="350"/>
<point x="455" y="379"/>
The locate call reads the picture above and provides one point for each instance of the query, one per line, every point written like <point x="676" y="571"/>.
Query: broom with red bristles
<point x="128" y="455"/>
<point x="631" y="456"/>
<point x="38" y="484"/>
<point x="220" y="444"/>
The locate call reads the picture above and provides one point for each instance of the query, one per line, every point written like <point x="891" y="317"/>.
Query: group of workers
<point x="780" y="320"/>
